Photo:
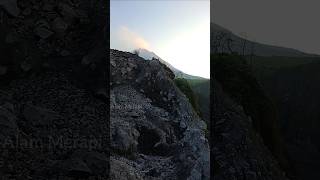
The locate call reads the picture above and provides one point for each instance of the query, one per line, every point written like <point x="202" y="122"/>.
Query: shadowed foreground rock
<point x="53" y="107"/>
<point x="155" y="133"/>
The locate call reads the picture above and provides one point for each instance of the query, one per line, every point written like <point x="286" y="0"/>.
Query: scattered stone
<point x="125" y="139"/>
<point x="59" y="26"/>
<point x="123" y="171"/>
<point x="113" y="63"/>
<point x="43" y="32"/>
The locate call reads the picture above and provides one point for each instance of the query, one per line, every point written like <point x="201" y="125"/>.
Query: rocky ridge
<point x="155" y="134"/>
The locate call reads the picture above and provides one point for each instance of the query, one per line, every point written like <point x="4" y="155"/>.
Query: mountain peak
<point x="148" y="55"/>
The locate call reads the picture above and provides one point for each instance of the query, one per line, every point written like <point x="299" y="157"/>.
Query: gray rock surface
<point x="155" y="133"/>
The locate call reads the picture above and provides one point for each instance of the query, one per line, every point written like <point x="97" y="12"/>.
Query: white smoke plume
<point x="128" y="40"/>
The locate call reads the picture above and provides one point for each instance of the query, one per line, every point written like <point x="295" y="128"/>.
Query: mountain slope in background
<point x="221" y="36"/>
<point x="148" y="55"/>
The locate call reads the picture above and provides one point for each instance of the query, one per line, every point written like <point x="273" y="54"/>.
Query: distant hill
<point x="148" y="55"/>
<point x="221" y="36"/>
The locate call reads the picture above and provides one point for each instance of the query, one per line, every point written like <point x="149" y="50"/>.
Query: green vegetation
<point x="198" y="93"/>
<point x="201" y="88"/>
<point x="185" y="88"/>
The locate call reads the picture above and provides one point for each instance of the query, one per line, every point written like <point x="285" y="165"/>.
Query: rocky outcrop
<point x="155" y="133"/>
<point x="51" y="128"/>
<point x="53" y="115"/>
<point x="36" y="34"/>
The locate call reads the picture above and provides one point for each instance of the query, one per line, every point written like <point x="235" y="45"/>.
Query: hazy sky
<point x="288" y="23"/>
<point x="178" y="31"/>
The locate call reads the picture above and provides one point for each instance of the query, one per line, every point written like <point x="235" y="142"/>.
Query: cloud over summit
<point x="129" y="40"/>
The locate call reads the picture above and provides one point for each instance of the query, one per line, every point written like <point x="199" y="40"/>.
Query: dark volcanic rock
<point x="48" y="29"/>
<point x="47" y="122"/>
<point x="155" y="133"/>
<point x="53" y="117"/>
<point x="11" y="7"/>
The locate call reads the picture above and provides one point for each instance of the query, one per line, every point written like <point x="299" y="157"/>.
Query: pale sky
<point x="178" y="31"/>
<point x="287" y="23"/>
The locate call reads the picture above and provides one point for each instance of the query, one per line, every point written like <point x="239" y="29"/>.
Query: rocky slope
<point x="53" y="99"/>
<point x="155" y="133"/>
